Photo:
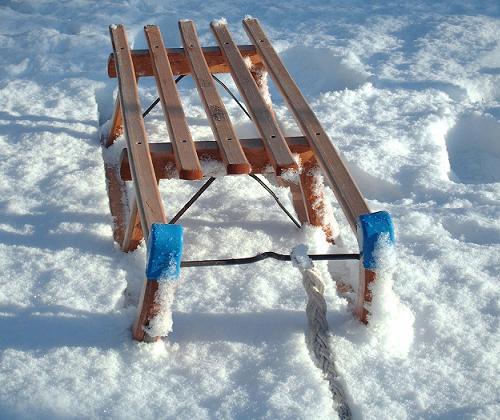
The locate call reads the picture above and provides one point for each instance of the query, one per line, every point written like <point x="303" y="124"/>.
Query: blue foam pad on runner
<point x="164" y="252"/>
<point x="371" y="227"/>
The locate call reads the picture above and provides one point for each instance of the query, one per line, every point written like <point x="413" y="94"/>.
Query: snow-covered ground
<point x="411" y="96"/>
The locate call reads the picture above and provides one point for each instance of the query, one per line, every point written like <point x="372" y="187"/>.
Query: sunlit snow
<point x="410" y="95"/>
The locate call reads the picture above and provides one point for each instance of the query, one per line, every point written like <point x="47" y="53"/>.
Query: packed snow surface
<point x="410" y="94"/>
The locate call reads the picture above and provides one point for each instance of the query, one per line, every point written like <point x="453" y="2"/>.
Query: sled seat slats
<point x="262" y="116"/>
<point x="186" y="159"/>
<point x="332" y="165"/>
<point x="223" y="131"/>
<point x="178" y="60"/>
<point x="162" y="155"/>
<point x="147" y="195"/>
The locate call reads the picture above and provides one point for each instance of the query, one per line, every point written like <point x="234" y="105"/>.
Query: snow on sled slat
<point x="178" y="60"/>
<point x="162" y="155"/>
<point x="264" y="120"/>
<point x="148" y="199"/>
<point x="232" y="153"/>
<point x="186" y="159"/>
<point x="328" y="157"/>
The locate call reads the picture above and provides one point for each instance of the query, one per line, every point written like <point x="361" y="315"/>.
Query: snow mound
<point x="390" y="322"/>
<point x="474" y="149"/>
<point x="320" y="70"/>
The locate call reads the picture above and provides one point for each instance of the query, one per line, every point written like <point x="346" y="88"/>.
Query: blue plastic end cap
<point x="164" y="252"/>
<point x="371" y="228"/>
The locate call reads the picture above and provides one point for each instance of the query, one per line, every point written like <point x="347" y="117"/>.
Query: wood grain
<point x="329" y="159"/>
<point x="148" y="197"/>
<point x="186" y="160"/>
<point x="313" y="196"/>
<point x="177" y="57"/>
<point x="364" y="294"/>
<point x="232" y="153"/>
<point x="264" y="120"/>
<point x="133" y="233"/>
<point x="117" y="195"/>
<point x="162" y="155"/>
<point x="116" y="127"/>
<point x="149" y="204"/>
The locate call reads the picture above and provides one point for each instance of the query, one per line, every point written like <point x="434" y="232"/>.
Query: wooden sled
<point x="144" y="164"/>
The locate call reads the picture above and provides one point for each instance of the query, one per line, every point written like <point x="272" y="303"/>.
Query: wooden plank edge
<point x="162" y="154"/>
<point x="179" y="63"/>
<point x="264" y="120"/>
<point x="187" y="161"/>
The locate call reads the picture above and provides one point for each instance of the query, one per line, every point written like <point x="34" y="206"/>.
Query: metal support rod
<point x="220" y="82"/>
<point x="265" y="255"/>
<point x="157" y="100"/>
<point x="270" y="191"/>
<point x="192" y="200"/>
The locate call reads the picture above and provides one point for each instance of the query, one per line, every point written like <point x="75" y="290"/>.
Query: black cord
<point x="192" y="200"/>
<point x="232" y="95"/>
<point x="211" y="179"/>
<point x="155" y="102"/>
<point x="270" y="191"/>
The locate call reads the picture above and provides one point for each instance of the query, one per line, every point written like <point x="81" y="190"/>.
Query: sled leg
<point x="116" y="127"/>
<point x="146" y="311"/>
<point x="364" y="294"/>
<point x="118" y="205"/>
<point x="374" y="230"/>
<point x="309" y="198"/>
<point x="133" y="233"/>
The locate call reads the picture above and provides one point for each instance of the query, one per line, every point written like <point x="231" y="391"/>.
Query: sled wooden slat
<point x="328" y="157"/>
<point x="147" y="194"/>
<point x="162" y="155"/>
<point x="267" y="126"/>
<point x="179" y="62"/>
<point x="148" y="199"/>
<point x="188" y="165"/>
<point x="232" y="153"/>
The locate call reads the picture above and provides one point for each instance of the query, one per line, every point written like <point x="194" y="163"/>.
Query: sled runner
<point x="143" y="216"/>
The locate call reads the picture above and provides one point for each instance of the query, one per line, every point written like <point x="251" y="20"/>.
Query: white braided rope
<point x="317" y="335"/>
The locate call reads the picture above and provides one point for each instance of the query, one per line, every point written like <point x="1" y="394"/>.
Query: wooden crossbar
<point x="232" y="153"/>
<point x="163" y="157"/>
<point x="263" y="118"/>
<point x="177" y="57"/>
<point x="345" y="189"/>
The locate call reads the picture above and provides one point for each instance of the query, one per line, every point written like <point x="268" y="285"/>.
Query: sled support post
<point x="374" y="231"/>
<point x="118" y="202"/>
<point x="116" y="127"/>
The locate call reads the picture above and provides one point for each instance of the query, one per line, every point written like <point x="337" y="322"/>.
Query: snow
<point x="219" y="22"/>
<point x="161" y="324"/>
<point x="410" y="95"/>
<point x="390" y="321"/>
